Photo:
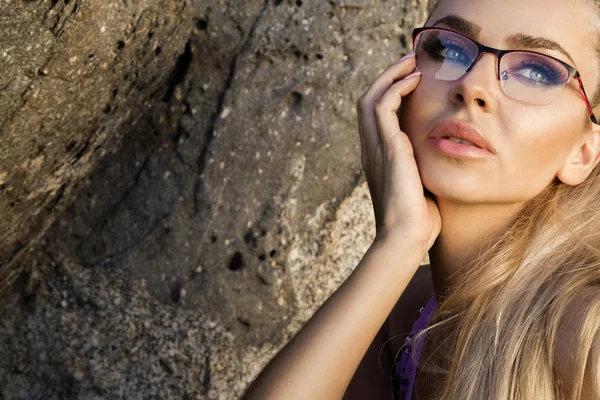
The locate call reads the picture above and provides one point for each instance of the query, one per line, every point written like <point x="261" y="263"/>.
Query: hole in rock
<point x="237" y="262"/>
<point x="202" y="24"/>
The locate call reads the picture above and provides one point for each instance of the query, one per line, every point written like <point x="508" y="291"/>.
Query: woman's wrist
<point x="401" y="240"/>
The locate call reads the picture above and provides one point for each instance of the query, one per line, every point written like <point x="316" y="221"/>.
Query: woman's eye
<point x="535" y="75"/>
<point x="532" y="74"/>
<point x="447" y="51"/>
<point x="453" y="52"/>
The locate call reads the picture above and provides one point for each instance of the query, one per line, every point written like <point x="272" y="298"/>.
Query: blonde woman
<point x="480" y="147"/>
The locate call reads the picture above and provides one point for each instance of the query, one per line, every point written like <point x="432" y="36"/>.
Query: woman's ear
<point x="583" y="158"/>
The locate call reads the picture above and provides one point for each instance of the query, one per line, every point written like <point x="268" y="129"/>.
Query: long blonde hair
<point x="494" y="335"/>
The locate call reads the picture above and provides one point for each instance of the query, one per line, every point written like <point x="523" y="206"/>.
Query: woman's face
<point x="532" y="142"/>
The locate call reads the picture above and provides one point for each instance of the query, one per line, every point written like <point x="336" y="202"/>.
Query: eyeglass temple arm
<point x="587" y="103"/>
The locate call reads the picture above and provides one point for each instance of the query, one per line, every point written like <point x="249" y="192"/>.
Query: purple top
<point x="405" y="371"/>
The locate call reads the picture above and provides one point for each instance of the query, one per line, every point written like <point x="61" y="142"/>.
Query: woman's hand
<point x="401" y="208"/>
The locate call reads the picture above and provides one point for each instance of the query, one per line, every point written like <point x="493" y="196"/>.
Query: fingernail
<point x="416" y="73"/>
<point x="411" y="54"/>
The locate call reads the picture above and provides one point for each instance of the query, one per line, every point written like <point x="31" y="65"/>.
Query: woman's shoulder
<point x="406" y="310"/>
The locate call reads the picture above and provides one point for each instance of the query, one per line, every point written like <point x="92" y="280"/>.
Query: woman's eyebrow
<point x="516" y="41"/>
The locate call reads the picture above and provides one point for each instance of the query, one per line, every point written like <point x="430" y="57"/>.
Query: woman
<point x="510" y="218"/>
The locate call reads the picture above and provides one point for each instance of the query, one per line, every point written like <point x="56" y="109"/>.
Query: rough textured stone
<point x="73" y="74"/>
<point x="232" y="208"/>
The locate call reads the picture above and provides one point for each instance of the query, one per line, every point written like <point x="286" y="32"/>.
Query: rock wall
<point x="75" y="75"/>
<point x="231" y="209"/>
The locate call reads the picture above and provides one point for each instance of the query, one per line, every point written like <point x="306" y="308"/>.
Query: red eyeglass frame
<point x="499" y="53"/>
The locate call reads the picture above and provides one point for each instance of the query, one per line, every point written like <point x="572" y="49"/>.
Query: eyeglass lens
<point x="524" y="76"/>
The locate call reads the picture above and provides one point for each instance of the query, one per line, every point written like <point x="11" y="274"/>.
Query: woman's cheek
<point x="545" y="146"/>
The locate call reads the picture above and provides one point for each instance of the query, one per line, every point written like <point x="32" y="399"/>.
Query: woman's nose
<point x="479" y="88"/>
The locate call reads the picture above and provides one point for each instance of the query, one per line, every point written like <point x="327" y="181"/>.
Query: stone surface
<point x="75" y="74"/>
<point x="230" y="211"/>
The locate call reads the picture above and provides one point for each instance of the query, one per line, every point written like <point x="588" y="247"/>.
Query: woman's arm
<point x="319" y="362"/>
<point x="372" y="378"/>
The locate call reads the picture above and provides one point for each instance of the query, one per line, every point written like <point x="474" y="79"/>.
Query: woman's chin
<point x="450" y="184"/>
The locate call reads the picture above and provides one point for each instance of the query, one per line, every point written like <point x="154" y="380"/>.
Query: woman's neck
<point x="465" y="228"/>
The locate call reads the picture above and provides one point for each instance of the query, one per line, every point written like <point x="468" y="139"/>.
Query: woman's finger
<point x="389" y="76"/>
<point x="396" y="147"/>
<point x="361" y="134"/>
<point x="366" y="103"/>
<point x="385" y="110"/>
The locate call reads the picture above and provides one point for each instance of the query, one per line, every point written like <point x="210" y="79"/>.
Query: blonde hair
<point x="495" y="332"/>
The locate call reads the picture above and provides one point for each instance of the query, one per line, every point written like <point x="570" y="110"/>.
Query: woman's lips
<point x="458" y="150"/>
<point x="439" y="136"/>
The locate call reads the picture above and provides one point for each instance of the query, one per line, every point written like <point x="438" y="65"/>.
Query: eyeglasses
<point x="526" y="76"/>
